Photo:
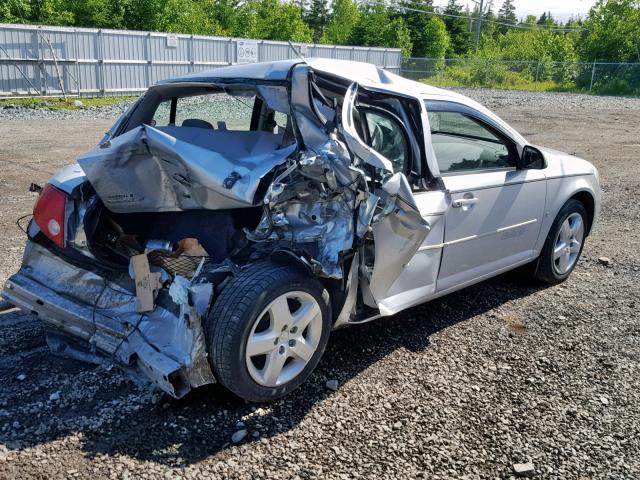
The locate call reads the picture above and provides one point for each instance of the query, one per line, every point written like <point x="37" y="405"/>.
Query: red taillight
<point x="48" y="213"/>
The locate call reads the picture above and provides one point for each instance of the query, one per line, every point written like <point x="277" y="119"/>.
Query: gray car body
<point x="428" y="242"/>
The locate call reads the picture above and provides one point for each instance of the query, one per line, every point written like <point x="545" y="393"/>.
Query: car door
<point x="406" y="254"/>
<point x="495" y="209"/>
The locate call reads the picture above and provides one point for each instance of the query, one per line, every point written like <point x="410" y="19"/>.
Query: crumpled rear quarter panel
<point x="81" y="308"/>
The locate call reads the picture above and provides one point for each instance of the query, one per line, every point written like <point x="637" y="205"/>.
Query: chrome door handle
<point x="464" y="202"/>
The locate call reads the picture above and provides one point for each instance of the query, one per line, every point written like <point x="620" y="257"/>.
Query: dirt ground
<point x="464" y="387"/>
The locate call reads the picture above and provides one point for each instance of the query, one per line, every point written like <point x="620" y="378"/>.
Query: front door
<point x="380" y="139"/>
<point x="495" y="210"/>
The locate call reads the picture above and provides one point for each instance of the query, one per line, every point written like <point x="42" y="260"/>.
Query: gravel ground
<point x="15" y="112"/>
<point x="502" y="373"/>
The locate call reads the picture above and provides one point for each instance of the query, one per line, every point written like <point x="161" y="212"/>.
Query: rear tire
<point x="267" y="330"/>
<point x="564" y="243"/>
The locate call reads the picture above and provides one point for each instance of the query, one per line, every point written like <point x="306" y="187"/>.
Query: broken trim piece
<point x="353" y="140"/>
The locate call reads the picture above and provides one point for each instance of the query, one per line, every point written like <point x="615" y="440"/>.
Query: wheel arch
<point x="584" y="188"/>
<point x="587" y="199"/>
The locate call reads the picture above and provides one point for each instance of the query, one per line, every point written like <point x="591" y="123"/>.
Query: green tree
<point x="547" y="20"/>
<point x="458" y="30"/>
<point x="489" y="26"/>
<point x="316" y="17"/>
<point x="51" y="12"/>
<point x="15" y="11"/>
<point x="551" y="55"/>
<point x="543" y="19"/>
<point x="186" y="16"/>
<point x="142" y="15"/>
<point x="613" y="31"/>
<point x="428" y="33"/>
<point x="225" y="14"/>
<point x="507" y="15"/>
<point x="377" y="28"/>
<point x="435" y="39"/>
<point x="271" y="20"/>
<point x="98" y="13"/>
<point x="343" y="18"/>
<point x="417" y="22"/>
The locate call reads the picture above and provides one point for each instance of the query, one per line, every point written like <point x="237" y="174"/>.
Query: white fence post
<point x="192" y="60"/>
<point x="147" y="56"/>
<point x="77" y="55"/>
<point x="42" y="74"/>
<point x="100" y="55"/>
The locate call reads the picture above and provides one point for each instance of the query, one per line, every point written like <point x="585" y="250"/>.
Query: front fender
<point x="559" y="191"/>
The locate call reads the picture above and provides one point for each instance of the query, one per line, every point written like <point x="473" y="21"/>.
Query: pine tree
<point x="507" y="15"/>
<point x="418" y="23"/>
<point x="488" y="20"/>
<point x="317" y="17"/>
<point x="543" y="19"/>
<point x="458" y="28"/>
<point x="550" y="21"/>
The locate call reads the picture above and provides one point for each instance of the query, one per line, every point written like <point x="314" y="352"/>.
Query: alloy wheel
<point x="283" y="338"/>
<point x="568" y="243"/>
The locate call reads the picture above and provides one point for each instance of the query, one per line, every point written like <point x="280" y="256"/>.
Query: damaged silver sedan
<point x="231" y="219"/>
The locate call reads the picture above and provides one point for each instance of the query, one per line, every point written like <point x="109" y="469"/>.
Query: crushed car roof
<point x="365" y="74"/>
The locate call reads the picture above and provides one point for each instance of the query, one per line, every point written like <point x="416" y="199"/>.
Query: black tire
<point x="545" y="270"/>
<point x="234" y="313"/>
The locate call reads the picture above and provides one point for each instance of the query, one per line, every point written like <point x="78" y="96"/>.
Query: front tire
<point x="564" y="244"/>
<point x="267" y="330"/>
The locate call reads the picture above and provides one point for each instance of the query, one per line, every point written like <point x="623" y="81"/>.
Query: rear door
<point x="495" y="209"/>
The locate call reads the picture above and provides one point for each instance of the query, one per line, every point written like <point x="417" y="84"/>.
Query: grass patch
<point x="61" y="103"/>
<point x="553" y="79"/>
<point x="519" y="84"/>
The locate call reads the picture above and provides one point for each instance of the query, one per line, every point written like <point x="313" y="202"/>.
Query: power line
<point x="495" y="22"/>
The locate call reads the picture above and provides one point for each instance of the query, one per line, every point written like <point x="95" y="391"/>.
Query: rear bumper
<point x="90" y="317"/>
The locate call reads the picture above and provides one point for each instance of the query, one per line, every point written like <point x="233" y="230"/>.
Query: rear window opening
<point x="213" y="116"/>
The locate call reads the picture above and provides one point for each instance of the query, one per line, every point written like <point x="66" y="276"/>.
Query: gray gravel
<point x="485" y="383"/>
<point x="10" y="112"/>
<point x="553" y="100"/>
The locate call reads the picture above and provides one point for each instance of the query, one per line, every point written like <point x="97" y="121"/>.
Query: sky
<point x="560" y="9"/>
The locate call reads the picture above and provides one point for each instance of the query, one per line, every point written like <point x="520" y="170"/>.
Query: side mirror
<point x="532" y="159"/>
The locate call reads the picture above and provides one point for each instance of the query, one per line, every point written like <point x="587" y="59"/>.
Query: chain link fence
<point x="597" y="77"/>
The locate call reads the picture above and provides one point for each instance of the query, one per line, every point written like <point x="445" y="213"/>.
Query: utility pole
<point x="479" y="24"/>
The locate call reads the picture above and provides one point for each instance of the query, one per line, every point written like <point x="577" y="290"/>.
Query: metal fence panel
<point x="116" y="46"/>
<point x="208" y="50"/>
<point x="19" y="43"/>
<point x="327" y="51"/>
<point x="274" y="51"/>
<point x="343" y="53"/>
<point x="36" y="60"/>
